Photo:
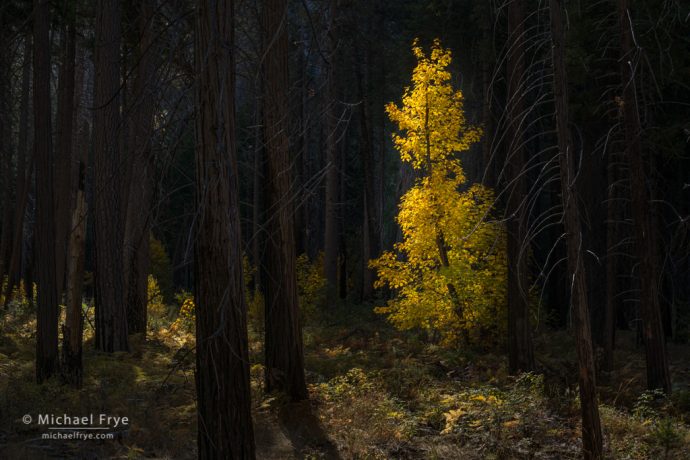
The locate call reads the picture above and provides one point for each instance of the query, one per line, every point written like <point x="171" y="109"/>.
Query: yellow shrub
<point x="187" y="313"/>
<point x="157" y="310"/>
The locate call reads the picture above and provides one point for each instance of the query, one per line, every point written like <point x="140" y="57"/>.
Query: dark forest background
<point x="231" y="163"/>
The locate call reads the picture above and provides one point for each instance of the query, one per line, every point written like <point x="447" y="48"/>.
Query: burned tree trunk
<point x="72" y="330"/>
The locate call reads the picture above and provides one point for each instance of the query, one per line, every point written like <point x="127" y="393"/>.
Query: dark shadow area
<point x="305" y="431"/>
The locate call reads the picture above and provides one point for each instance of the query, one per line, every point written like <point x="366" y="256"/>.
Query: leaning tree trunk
<point x="283" y="347"/>
<point x="137" y="222"/>
<point x="591" y="425"/>
<point x="47" y="324"/>
<point x="658" y="376"/>
<point x="520" y="348"/>
<point x="222" y="361"/>
<point x="111" y="320"/>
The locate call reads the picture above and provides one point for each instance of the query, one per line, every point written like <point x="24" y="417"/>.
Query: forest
<point x="345" y="229"/>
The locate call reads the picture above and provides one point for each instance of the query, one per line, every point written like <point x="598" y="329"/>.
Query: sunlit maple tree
<point x="449" y="271"/>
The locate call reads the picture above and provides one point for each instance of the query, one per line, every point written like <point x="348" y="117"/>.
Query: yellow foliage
<point x="156" y="307"/>
<point x="437" y="219"/>
<point x="186" y="316"/>
<point x="311" y="285"/>
<point x="19" y="299"/>
<point x="431" y="115"/>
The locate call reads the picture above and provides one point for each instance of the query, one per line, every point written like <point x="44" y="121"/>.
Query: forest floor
<point x="374" y="393"/>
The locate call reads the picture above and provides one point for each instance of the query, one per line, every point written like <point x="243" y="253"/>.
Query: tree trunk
<point x="258" y="239"/>
<point x="283" y="346"/>
<point x="591" y="425"/>
<point x="111" y="319"/>
<point x="521" y="350"/>
<point x="23" y="178"/>
<point x="371" y="238"/>
<point x="46" y="326"/>
<point x="330" y="259"/>
<point x="6" y="203"/>
<point x="222" y="361"/>
<point x="72" y="330"/>
<point x="63" y="153"/>
<point x="612" y="285"/>
<point x="658" y="376"/>
<point x="137" y="223"/>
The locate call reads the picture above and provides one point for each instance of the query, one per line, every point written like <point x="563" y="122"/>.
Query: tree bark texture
<point x="330" y="260"/>
<point x="72" y="330"/>
<point x="47" y="312"/>
<point x="23" y="180"/>
<point x="138" y="213"/>
<point x="283" y="346"/>
<point x="658" y="375"/>
<point x="222" y="361"/>
<point x="591" y="424"/>
<point x="111" y="319"/>
<point x="520" y="348"/>
<point x="63" y="152"/>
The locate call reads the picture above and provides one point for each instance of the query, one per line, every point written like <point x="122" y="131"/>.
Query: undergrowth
<point x="377" y="393"/>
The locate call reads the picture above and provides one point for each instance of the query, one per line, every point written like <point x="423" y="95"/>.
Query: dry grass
<point x="375" y="393"/>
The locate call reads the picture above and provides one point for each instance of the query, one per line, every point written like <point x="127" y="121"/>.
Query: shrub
<point x="365" y="419"/>
<point x="156" y="307"/>
<point x="311" y="286"/>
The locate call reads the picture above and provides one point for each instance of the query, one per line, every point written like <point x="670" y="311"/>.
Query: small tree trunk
<point x="6" y="203"/>
<point x="612" y="239"/>
<point x="23" y="178"/>
<point x="330" y="260"/>
<point x="521" y="350"/>
<point x="591" y="425"/>
<point x="72" y="330"/>
<point x="372" y="247"/>
<point x="658" y="375"/>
